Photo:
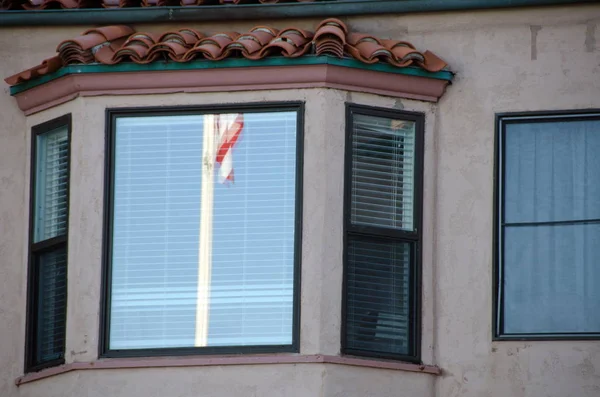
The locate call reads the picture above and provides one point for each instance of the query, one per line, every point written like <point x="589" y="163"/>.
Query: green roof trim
<point x="228" y="63"/>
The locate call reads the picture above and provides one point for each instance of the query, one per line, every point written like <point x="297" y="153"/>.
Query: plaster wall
<point x="505" y="60"/>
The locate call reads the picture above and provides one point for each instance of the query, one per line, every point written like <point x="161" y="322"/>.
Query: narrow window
<point x="381" y="275"/>
<point x="48" y="249"/>
<point x="203" y="232"/>
<point x="548" y="229"/>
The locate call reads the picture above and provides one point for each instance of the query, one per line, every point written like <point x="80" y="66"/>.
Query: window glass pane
<point x="382" y="172"/>
<point x="550" y="171"/>
<point x="551" y="278"/>
<point x="378" y="295"/>
<point x="52" y="178"/>
<point x="203" y="232"/>
<point x="51" y="304"/>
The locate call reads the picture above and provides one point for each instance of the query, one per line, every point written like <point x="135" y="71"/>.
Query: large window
<point x="548" y="229"/>
<point x="47" y="300"/>
<point x="203" y="230"/>
<point x="382" y="238"/>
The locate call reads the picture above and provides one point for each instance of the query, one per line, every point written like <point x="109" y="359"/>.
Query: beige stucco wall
<point x="509" y="60"/>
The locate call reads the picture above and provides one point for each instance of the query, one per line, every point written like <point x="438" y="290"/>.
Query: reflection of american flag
<point x="228" y="128"/>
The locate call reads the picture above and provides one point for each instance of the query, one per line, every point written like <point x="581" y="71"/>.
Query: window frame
<point x="35" y="249"/>
<point x="109" y="171"/>
<point x="371" y="232"/>
<point x="501" y="121"/>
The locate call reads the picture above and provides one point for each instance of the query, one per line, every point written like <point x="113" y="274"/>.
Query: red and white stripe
<point x="228" y="128"/>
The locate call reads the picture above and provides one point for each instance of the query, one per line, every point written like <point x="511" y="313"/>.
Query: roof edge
<point x="227" y="63"/>
<point x="169" y="77"/>
<point x="254" y="11"/>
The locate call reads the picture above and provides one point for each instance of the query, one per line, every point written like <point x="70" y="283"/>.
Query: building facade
<point x="470" y="272"/>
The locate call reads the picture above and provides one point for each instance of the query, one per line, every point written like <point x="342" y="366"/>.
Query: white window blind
<point x="52" y="183"/>
<point x="382" y="172"/>
<point x="197" y="262"/>
<point x="381" y="237"/>
<point x="49" y="260"/>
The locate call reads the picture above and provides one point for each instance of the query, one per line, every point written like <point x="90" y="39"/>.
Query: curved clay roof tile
<point x="263" y="37"/>
<point x="249" y="43"/>
<point x="112" y="32"/>
<point x="191" y="32"/>
<point x="292" y="32"/>
<point x="297" y="39"/>
<point x="358" y="55"/>
<point x="119" y="43"/>
<point x="329" y="48"/>
<point x="369" y="51"/>
<point x="391" y="44"/>
<point x="104" y="53"/>
<point x="331" y="32"/>
<point x="432" y="62"/>
<point x="144" y="39"/>
<point x="265" y="29"/>
<point x="170" y="49"/>
<point x="356" y="38"/>
<point x="245" y="47"/>
<point x="84" y="42"/>
<point x="286" y="47"/>
<point x="333" y="22"/>
<point x="185" y="38"/>
<point x="133" y="51"/>
<point x="218" y="41"/>
<point x="208" y="50"/>
<point x="49" y="65"/>
<point x="231" y="36"/>
<point x="45" y="4"/>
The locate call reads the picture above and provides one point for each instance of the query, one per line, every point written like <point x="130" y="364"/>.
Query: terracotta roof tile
<point x="115" y="44"/>
<point x="44" y="4"/>
<point x="49" y="65"/>
<point x="68" y="4"/>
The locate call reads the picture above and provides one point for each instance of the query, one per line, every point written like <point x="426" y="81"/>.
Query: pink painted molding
<point x="202" y="361"/>
<point x="229" y="79"/>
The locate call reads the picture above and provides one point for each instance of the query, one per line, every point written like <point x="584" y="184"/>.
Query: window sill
<point x="171" y="362"/>
<point x="547" y="338"/>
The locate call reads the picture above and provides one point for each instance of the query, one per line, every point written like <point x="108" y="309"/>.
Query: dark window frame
<point x="110" y="130"/>
<point x="369" y="232"/>
<point x="501" y="121"/>
<point x="35" y="249"/>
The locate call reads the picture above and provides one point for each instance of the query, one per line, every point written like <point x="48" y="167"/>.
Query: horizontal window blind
<point x="52" y="304"/>
<point x="382" y="172"/>
<point x="48" y="262"/>
<point x="378" y="301"/>
<point x="52" y="182"/>
<point x="381" y="238"/>
<point x="198" y="261"/>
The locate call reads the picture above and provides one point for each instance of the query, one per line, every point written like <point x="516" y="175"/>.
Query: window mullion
<point x="49" y="244"/>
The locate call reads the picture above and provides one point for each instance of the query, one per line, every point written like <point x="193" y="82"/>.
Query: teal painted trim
<point x="228" y="63"/>
<point x="327" y="8"/>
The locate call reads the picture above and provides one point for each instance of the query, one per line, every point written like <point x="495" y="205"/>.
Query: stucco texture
<point x="505" y="60"/>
